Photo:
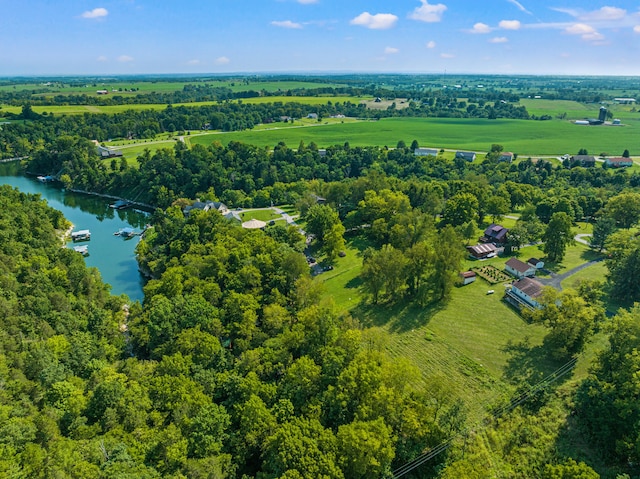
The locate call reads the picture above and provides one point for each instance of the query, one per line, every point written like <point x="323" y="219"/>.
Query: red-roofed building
<point x="618" y="162"/>
<point x="519" y="269"/>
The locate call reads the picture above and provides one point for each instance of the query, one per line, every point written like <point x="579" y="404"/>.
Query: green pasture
<point x="524" y="137"/>
<point x="475" y="341"/>
<point x="307" y="100"/>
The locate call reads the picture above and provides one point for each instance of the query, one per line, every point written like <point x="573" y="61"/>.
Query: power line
<point x="427" y="456"/>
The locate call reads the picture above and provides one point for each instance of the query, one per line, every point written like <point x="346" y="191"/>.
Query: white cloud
<point x="499" y="40"/>
<point x="286" y="24"/>
<point x="391" y="50"/>
<point x="480" y="28"/>
<point x="447" y="55"/>
<point x="603" y="14"/>
<point x="95" y="13"/>
<point x="307" y="2"/>
<point x="428" y="13"/>
<point x="379" y="21"/>
<point x="125" y="58"/>
<point x="520" y="6"/>
<point x="102" y="58"/>
<point x="510" y="24"/>
<point x="586" y="32"/>
<point x="431" y="44"/>
<point x="222" y="61"/>
<point x="636" y="29"/>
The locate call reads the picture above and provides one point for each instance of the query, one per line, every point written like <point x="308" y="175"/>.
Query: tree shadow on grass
<point x="531" y="367"/>
<point x="400" y="317"/>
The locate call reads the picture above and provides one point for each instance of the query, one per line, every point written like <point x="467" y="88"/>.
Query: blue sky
<point x="53" y="37"/>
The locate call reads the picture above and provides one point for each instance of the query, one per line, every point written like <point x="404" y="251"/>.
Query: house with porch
<point x="519" y="269"/>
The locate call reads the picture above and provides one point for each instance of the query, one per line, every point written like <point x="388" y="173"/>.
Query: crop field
<point x="159" y="86"/>
<point x="524" y="137"/>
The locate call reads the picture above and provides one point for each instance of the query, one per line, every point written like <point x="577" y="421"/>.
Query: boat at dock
<point x="120" y="205"/>
<point x="126" y="232"/>
<point x="83" y="250"/>
<point x="81" y="235"/>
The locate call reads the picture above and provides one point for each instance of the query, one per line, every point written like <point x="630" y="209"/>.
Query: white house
<point x="527" y="290"/>
<point x="519" y="269"/>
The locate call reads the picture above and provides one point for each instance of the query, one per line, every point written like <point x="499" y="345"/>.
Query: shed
<point x="467" y="277"/>
<point x="536" y="263"/>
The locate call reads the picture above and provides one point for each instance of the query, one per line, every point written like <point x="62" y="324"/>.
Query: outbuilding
<point x="482" y="251"/>
<point x="467" y="277"/>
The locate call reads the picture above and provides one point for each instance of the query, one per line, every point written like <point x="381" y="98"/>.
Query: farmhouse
<point x="618" y="162"/>
<point x="519" y="269"/>
<point x="506" y="156"/>
<point x="466" y="155"/>
<point x="495" y="234"/>
<point x="481" y="251"/>
<point x="524" y="293"/>
<point x="425" y="152"/>
<point x="467" y="277"/>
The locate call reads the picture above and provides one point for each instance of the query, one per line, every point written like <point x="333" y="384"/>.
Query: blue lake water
<point x="112" y="255"/>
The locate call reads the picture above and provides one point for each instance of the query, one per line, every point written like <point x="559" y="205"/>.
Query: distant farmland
<point x="524" y="137"/>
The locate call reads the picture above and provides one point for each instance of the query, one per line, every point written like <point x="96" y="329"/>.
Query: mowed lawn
<point x="524" y="137"/>
<point x="475" y="342"/>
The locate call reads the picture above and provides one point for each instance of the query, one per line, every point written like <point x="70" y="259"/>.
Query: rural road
<point x="556" y="279"/>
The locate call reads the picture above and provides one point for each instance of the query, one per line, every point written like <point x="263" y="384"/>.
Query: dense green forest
<point x="239" y="364"/>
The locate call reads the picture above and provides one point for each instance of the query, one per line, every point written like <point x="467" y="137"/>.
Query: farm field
<point x="160" y="86"/>
<point x="524" y="137"/>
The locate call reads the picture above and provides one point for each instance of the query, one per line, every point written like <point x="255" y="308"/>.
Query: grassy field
<point x="307" y="100"/>
<point x="525" y="137"/>
<point x="475" y="343"/>
<point x="261" y="214"/>
<point x="159" y="86"/>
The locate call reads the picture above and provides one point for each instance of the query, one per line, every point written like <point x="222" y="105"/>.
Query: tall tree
<point x="557" y="236"/>
<point x="460" y="208"/>
<point x="602" y="229"/>
<point x="624" y="209"/>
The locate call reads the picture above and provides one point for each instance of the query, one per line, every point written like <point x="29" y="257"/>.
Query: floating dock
<point x="81" y="235"/>
<point x="126" y="233"/>
<point x="83" y="250"/>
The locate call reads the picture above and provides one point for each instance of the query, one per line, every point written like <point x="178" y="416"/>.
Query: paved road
<point x="556" y="279"/>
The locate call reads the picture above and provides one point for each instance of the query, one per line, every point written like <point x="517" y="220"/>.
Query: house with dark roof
<point x="466" y="155"/>
<point x="481" y="251"/>
<point x="495" y="233"/>
<point x="525" y="293"/>
<point x="506" y="156"/>
<point x="618" y="162"/>
<point x="519" y="269"/>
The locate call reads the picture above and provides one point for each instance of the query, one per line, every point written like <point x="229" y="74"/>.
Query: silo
<point x="603" y="114"/>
